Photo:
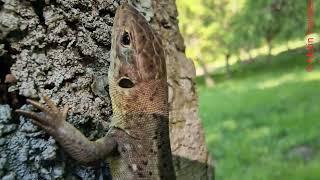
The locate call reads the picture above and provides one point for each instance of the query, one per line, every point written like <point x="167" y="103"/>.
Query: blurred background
<point x="259" y="101"/>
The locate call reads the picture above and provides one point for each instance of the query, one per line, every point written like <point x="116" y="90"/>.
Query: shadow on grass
<point x="192" y="170"/>
<point x="253" y="130"/>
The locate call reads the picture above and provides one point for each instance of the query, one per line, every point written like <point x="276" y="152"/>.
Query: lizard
<point x="137" y="145"/>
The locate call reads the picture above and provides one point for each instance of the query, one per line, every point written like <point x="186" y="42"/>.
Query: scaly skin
<point x="137" y="144"/>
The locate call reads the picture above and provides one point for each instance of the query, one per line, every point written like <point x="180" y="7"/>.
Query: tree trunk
<point x="191" y="158"/>
<point x="239" y="59"/>
<point x="250" y="56"/>
<point x="269" y="49"/>
<point x="209" y="82"/>
<point x="228" y="72"/>
<point x="62" y="49"/>
<point x="288" y="46"/>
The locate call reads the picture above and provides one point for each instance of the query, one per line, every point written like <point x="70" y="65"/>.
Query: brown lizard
<point x="137" y="144"/>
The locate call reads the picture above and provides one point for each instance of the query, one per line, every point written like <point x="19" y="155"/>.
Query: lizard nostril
<point x="125" y="83"/>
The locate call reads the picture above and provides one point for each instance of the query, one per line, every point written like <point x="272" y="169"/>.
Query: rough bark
<point x="191" y="157"/>
<point x="61" y="48"/>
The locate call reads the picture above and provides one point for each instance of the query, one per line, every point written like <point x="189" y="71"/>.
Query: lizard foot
<point x="50" y="118"/>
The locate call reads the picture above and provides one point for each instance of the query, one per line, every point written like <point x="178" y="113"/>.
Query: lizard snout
<point x="125" y="83"/>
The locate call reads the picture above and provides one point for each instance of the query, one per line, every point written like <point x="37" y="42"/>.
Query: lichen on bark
<point x="62" y="49"/>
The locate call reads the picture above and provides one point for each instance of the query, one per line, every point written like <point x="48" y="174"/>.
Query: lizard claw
<point x="38" y="105"/>
<point x="35" y="117"/>
<point x="50" y="103"/>
<point x="50" y="118"/>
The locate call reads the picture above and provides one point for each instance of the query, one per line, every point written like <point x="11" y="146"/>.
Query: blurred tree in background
<point x="219" y="29"/>
<point x="263" y="122"/>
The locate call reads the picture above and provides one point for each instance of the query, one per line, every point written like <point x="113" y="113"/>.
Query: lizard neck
<point x="145" y="97"/>
<point x="130" y="106"/>
<point x="141" y="125"/>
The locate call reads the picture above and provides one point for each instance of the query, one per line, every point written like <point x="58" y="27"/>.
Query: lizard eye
<point x="125" y="39"/>
<point x="125" y="83"/>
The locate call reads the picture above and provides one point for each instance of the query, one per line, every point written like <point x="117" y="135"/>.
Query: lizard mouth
<point x="125" y="83"/>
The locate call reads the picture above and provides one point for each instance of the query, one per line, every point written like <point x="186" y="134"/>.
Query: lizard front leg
<point x="52" y="120"/>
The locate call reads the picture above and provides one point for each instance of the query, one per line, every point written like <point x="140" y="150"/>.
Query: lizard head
<point x="137" y="72"/>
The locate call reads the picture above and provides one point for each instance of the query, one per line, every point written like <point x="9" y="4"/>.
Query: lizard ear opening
<point x="125" y="39"/>
<point x="125" y="83"/>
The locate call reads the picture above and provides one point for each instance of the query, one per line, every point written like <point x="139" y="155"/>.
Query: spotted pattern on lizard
<point x="137" y="144"/>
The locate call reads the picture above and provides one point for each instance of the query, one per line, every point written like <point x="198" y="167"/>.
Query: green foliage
<point x="263" y="124"/>
<point x="294" y="22"/>
<point x="215" y="27"/>
<point x="204" y="25"/>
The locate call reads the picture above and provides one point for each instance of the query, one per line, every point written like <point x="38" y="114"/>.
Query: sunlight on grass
<point x="259" y="133"/>
<point x="256" y="121"/>
<point x="255" y="52"/>
<point x="277" y="81"/>
<point x="213" y="138"/>
<point x="284" y="47"/>
<point x="311" y="76"/>
<point x="230" y="125"/>
<point x="315" y="37"/>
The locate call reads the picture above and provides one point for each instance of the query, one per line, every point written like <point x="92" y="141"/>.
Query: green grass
<point x="255" y="121"/>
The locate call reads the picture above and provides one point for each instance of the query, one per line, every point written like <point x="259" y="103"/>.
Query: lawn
<point x="264" y="122"/>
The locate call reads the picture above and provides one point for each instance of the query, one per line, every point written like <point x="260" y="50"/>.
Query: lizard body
<point x="137" y="144"/>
